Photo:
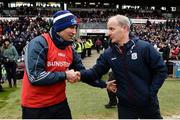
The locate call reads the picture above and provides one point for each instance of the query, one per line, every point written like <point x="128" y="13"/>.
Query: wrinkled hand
<point x="72" y="76"/>
<point x="111" y="86"/>
<point x="78" y="74"/>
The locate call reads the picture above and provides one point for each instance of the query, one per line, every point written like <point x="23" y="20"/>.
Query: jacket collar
<point x="58" y="41"/>
<point x="126" y="47"/>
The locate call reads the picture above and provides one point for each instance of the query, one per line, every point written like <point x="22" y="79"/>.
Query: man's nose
<point x="74" y="30"/>
<point x="108" y="33"/>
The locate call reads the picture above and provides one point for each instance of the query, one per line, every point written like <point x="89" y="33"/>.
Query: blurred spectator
<point x="165" y="52"/>
<point x="88" y="45"/>
<point x="1" y="64"/>
<point x="105" y="43"/>
<point x="9" y="51"/>
<point x="79" y="47"/>
<point x="175" y="52"/>
<point x="148" y="23"/>
<point x="98" y="45"/>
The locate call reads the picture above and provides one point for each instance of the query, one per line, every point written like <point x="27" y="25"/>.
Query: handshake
<point x="75" y="76"/>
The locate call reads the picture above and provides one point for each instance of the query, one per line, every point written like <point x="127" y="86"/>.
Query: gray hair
<point x="122" y="20"/>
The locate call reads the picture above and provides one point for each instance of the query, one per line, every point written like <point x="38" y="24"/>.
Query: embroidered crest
<point x="134" y="56"/>
<point x="73" y="21"/>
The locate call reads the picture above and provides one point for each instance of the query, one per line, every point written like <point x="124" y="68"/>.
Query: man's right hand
<point x="72" y="76"/>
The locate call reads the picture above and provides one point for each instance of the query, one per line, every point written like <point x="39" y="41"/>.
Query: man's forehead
<point x="112" y="23"/>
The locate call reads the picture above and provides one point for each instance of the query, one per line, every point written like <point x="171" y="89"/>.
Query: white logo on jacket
<point x="61" y="54"/>
<point x="134" y="56"/>
<point x="58" y="64"/>
<point x="113" y="58"/>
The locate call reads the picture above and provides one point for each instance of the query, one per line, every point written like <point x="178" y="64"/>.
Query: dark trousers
<point x="98" y="49"/>
<point x="111" y="95"/>
<point x="89" y="52"/>
<point x="83" y="54"/>
<point x="148" y="112"/>
<point x="58" y="111"/>
<point x="11" y="72"/>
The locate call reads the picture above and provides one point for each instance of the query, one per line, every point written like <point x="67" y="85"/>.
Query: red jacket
<point x="48" y="95"/>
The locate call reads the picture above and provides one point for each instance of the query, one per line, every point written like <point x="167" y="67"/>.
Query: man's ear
<point x="125" y="27"/>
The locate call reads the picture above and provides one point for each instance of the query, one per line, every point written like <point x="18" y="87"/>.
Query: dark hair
<point x="6" y="39"/>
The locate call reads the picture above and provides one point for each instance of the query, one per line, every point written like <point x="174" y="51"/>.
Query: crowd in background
<point x="94" y="13"/>
<point x="164" y="36"/>
<point x="21" y="31"/>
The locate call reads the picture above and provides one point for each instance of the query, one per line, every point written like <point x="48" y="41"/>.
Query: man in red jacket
<point x="49" y="62"/>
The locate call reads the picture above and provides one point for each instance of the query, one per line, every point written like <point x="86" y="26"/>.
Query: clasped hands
<point x="72" y="76"/>
<point x="75" y="76"/>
